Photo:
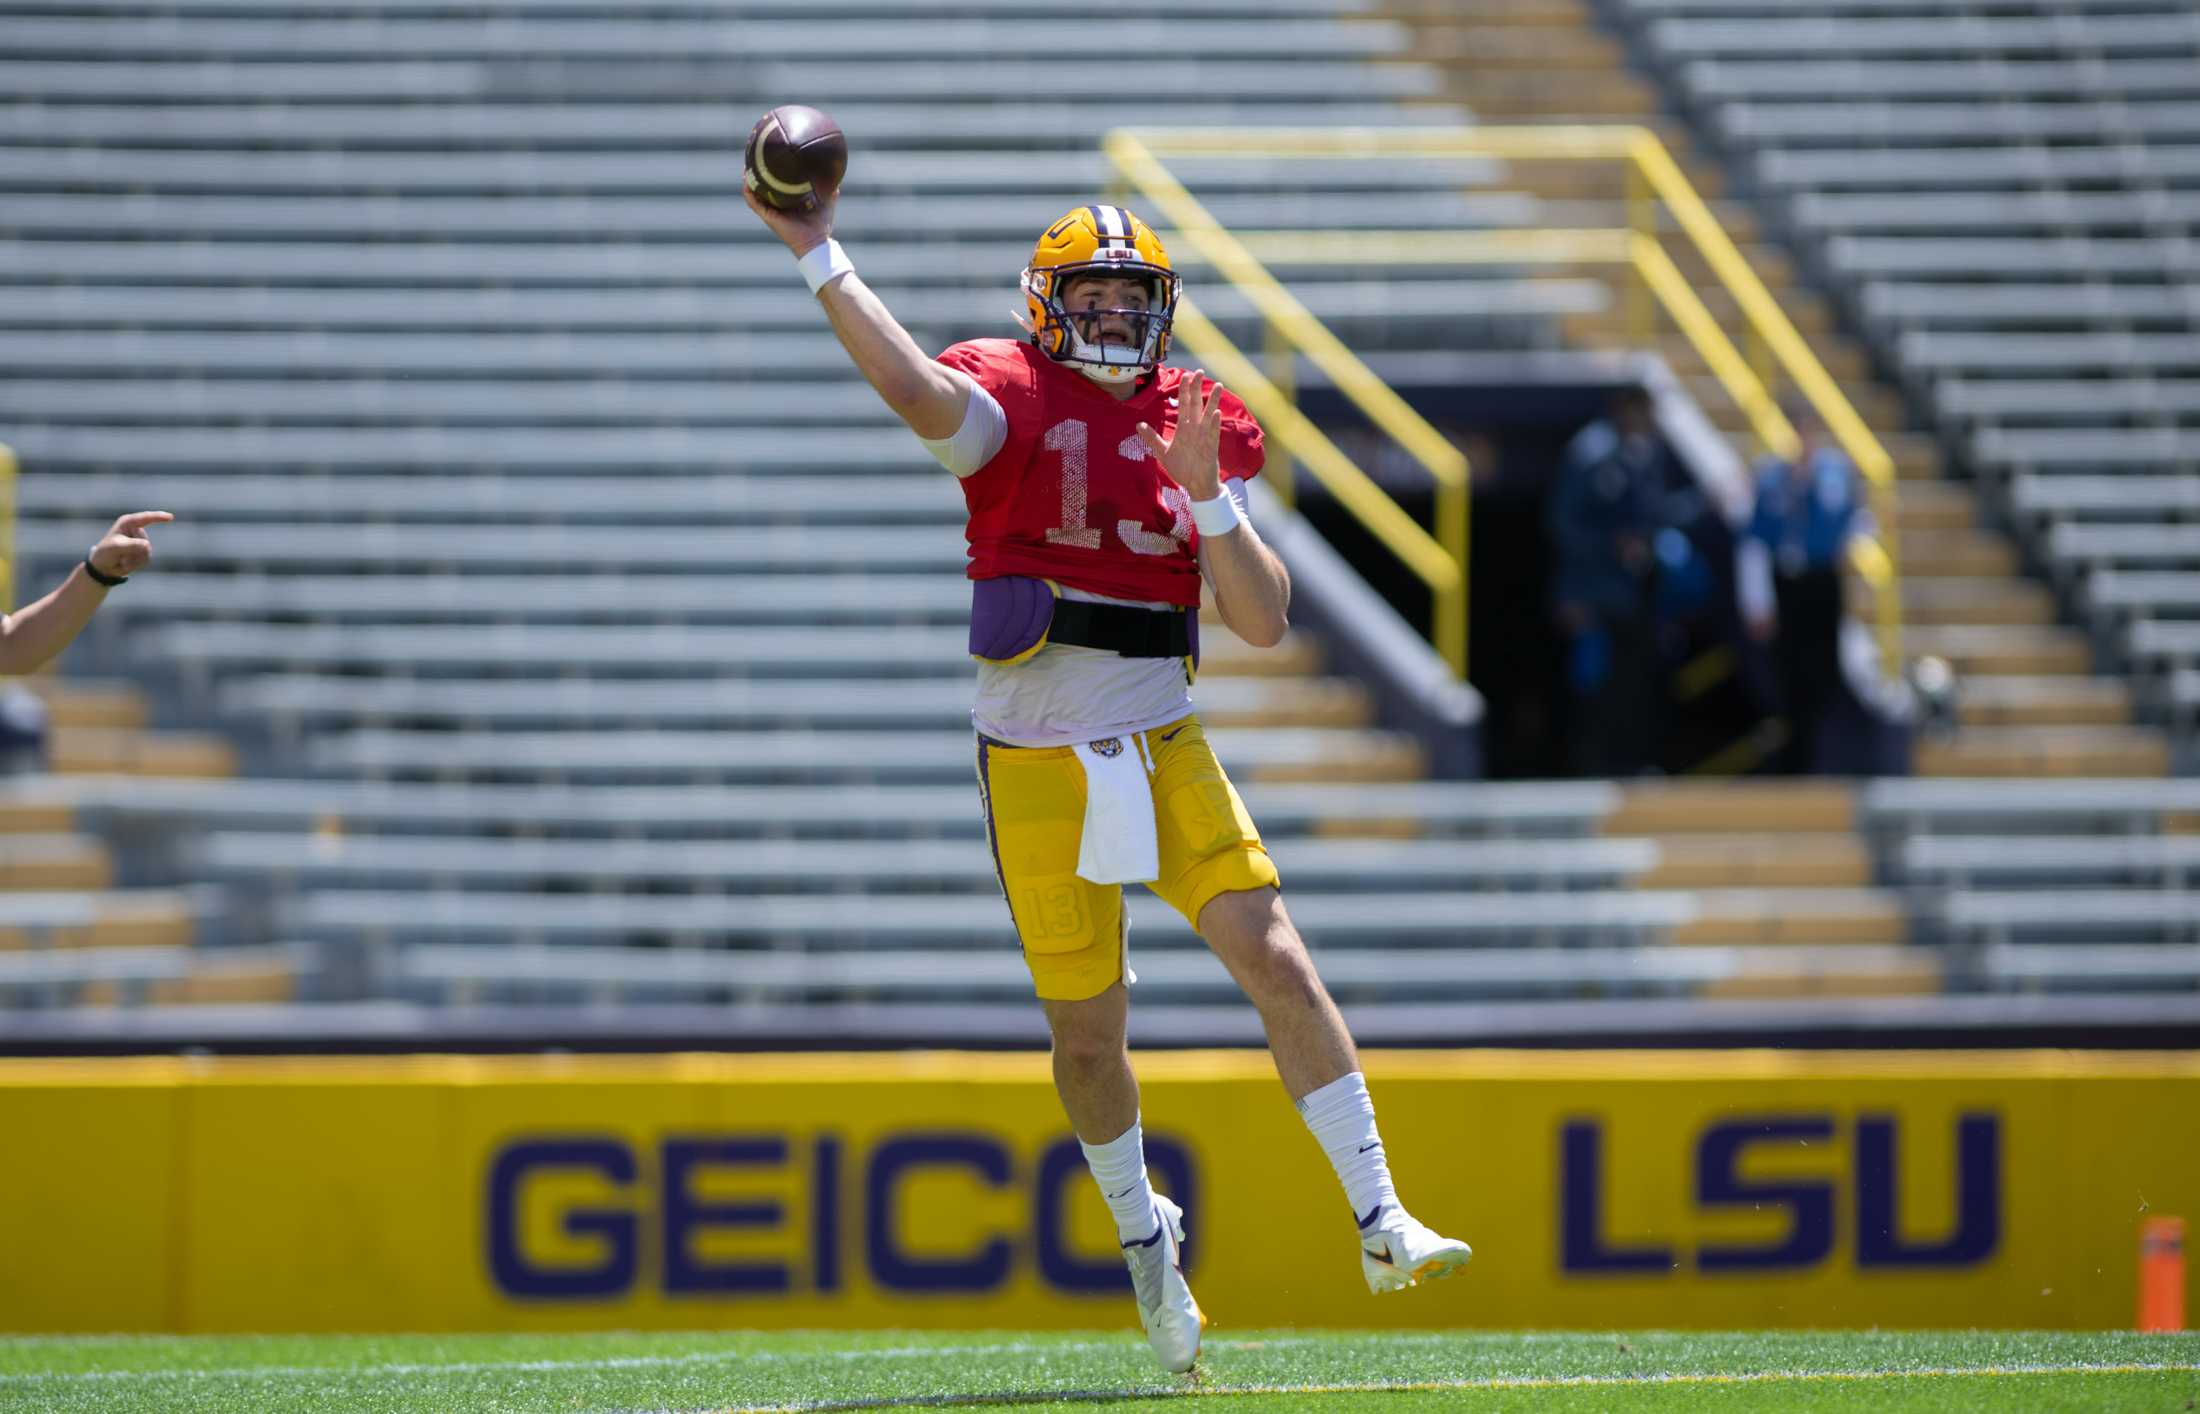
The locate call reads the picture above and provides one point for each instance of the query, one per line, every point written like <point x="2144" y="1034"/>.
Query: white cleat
<point x="1165" y="1306"/>
<point x="1396" y="1252"/>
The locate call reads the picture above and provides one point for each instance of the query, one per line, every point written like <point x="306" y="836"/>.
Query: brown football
<point x="793" y="153"/>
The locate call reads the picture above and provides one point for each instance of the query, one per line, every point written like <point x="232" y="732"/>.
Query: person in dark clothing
<point x="1809" y="511"/>
<point x="1603" y="517"/>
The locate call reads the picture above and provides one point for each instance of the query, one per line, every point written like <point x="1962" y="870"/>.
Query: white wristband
<point x="1217" y="517"/>
<point x="824" y="264"/>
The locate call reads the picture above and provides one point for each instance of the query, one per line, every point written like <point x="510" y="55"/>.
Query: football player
<point x="38" y="631"/>
<point x="1104" y="488"/>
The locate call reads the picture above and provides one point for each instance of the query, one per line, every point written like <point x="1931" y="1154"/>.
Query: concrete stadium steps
<point x="109" y="750"/>
<point x="55" y="862"/>
<point x="73" y="918"/>
<point x="2047" y="751"/>
<point x="86" y="702"/>
<point x="1782" y="860"/>
<point x="2044" y="701"/>
<point x="1931" y="601"/>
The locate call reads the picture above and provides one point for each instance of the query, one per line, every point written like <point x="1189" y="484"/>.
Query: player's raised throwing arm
<point x="928" y="396"/>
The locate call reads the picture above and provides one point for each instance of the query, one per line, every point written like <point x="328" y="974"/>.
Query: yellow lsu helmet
<point x="1100" y="240"/>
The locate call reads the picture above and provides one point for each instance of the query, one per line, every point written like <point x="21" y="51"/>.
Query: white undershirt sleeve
<point x="983" y="433"/>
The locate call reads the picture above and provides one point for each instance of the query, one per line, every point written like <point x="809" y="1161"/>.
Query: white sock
<point x="1342" y="1119"/>
<point x="1119" y="1167"/>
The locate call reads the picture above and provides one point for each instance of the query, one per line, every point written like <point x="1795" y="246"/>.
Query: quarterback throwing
<point x="1104" y="489"/>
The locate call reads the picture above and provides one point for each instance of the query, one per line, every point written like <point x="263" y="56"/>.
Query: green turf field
<point x="1241" y="1371"/>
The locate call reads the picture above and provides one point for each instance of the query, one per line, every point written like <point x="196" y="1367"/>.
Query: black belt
<point x="1132" y="632"/>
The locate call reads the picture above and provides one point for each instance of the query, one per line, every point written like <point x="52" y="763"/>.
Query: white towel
<point x="1118" y="845"/>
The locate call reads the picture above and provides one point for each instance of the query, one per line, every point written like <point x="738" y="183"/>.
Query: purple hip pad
<point x="1009" y="616"/>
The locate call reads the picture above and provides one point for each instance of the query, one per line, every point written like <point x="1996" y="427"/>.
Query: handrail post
<point x="1642" y="220"/>
<point x="1449" y="620"/>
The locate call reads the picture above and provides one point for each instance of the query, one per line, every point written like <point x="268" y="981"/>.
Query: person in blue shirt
<point x="1603" y="517"/>
<point x="1809" y="510"/>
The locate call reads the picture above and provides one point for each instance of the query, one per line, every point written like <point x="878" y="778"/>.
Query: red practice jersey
<point x="1073" y="495"/>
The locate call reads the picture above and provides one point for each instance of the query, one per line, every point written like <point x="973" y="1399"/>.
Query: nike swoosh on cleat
<point x="1372" y="1214"/>
<point x="1147" y="1242"/>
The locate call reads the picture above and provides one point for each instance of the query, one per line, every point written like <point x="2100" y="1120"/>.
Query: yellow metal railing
<point x="1653" y="183"/>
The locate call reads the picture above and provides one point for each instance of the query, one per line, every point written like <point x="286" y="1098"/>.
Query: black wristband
<point x="108" y="580"/>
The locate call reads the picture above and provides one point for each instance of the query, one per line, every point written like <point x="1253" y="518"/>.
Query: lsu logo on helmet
<point x="1100" y="240"/>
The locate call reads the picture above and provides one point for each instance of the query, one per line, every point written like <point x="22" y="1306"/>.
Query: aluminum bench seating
<point x="825" y="83"/>
<point x="590" y="450"/>
<point x="2056" y="915"/>
<point x="2027" y="257"/>
<point x="1931" y="351"/>
<point x="2092" y="966"/>
<point x="1913" y="36"/>
<point x="2029" y="306"/>
<point x="2077" y="545"/>
<point x="359" y="496"/>
<point x="606" y="754"/>
<point x="1977" y="79"/>
<point x="466" y="122"/>
<point x="670" y="650"/>
<point x="940" y="172"/>
<point x="1426" y="918"/>
<point x="1959" y="168"/>
<point x="942" y="598"/>
<point x="2092" y="448"/>
<point x="1921" y="804"/>
<point x="2067" y="401"/>
<point x="2164" y="644"/>
<point x="559" y="548"/>
<point x="2105" y="497"/>
<point x="2183" y="692"/>
<point x="1429" y="808"/>
<point x="307" y="329"/>
<point x="175" y="401"/>
<point x="677" y="974"/>
<point x="1833" y="123"/>
<point x="461" y="219"/>
<point x="924" y="40"/>
<point x="2051" y="861"/>
<point x="707" y="9"/>
<point x="344" y="261"/>
<point x="1993" y="213"/>
<point x="2170" y="593"/>
<point x="946" y="866"/>
<point x="298" y="702"/>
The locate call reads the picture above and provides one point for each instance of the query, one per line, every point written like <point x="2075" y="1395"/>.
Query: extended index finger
<point x="136" y="521"/>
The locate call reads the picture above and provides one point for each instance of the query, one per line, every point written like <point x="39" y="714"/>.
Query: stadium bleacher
<point x="552" y="618"/>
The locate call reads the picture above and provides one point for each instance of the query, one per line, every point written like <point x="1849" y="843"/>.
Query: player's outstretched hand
<point x="803" y="231"/>
<point x="127" y="547"/>
<point x="1192" y="457"/>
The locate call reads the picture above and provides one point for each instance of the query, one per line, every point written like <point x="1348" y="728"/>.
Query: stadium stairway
<point x="2002" y="202"/>
<point x="2032" y="699"/>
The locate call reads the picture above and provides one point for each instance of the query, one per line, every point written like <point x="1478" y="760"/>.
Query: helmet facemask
<point x="1074" y="336"/>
